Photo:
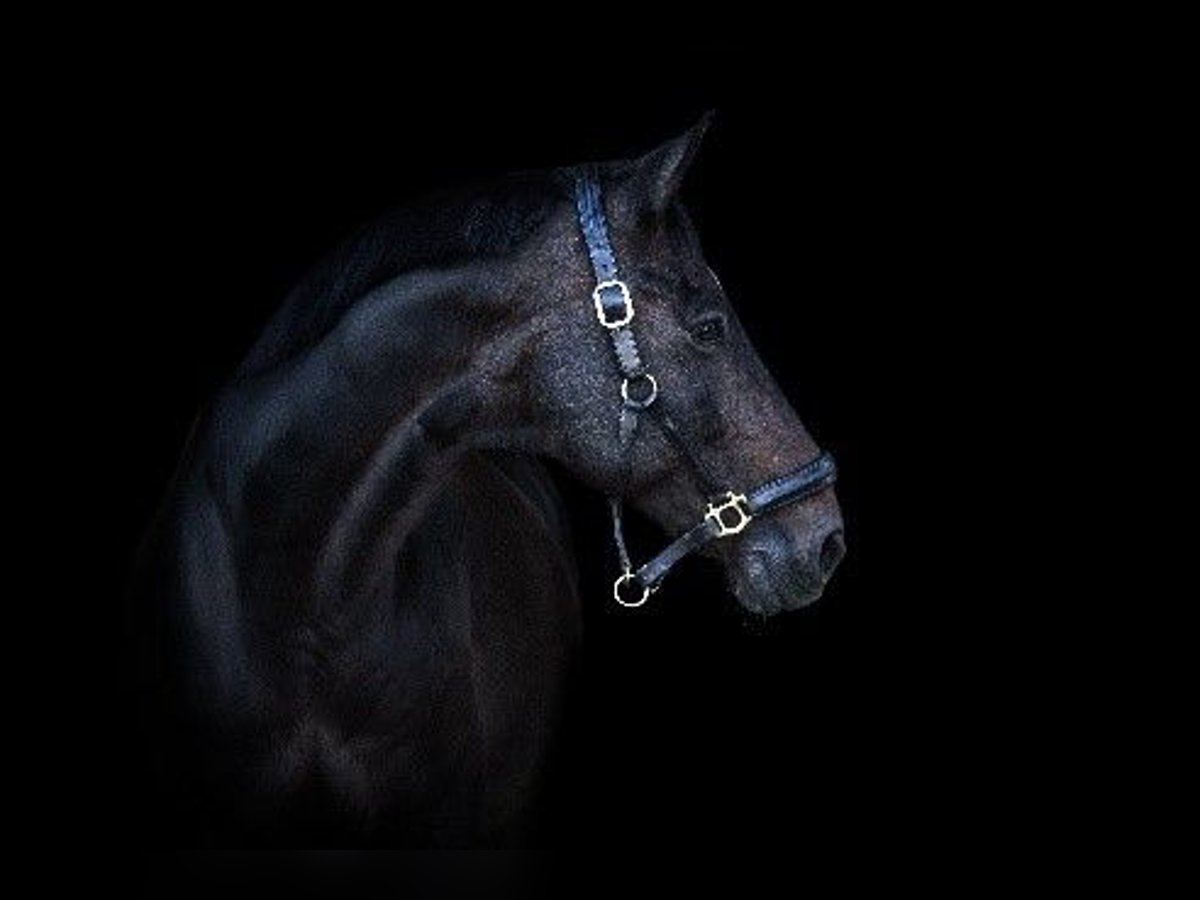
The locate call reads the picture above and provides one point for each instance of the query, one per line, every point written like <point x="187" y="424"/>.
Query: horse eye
<point x="709" y="330"/>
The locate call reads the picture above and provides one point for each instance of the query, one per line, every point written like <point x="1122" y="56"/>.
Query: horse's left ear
<point x="656" y="177"/>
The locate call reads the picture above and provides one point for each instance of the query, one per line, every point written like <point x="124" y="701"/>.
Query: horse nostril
<point x="832" y="551"/>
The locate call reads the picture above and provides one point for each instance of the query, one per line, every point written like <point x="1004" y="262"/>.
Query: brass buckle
<point x="735" y="503"/>
<point x="626" y="303"/>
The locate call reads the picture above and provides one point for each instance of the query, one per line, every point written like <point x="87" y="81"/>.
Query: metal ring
<point x="624" y="577"/>
<point x="639" y="404"/>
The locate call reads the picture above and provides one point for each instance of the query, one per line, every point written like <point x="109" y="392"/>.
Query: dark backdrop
<point x="857" y="199"/>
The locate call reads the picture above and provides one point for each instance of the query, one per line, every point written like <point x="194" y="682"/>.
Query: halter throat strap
<point x="639" y="392"/>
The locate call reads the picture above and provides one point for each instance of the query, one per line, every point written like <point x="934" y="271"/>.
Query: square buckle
<point x="735" y="503"/>
<point x="621" y="316"/>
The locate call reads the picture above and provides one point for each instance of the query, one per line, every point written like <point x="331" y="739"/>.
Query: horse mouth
<point x="766" y="580"/>
<point x="765" y="594"/>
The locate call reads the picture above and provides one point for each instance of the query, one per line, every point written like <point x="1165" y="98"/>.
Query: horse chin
<point x="763" y="593"/>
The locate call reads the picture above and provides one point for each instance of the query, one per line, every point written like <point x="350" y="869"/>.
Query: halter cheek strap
<point x="724" y="517"/>
<point x="614" y="308"/>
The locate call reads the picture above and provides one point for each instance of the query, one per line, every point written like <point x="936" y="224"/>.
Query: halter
<point x="728" y="512"/>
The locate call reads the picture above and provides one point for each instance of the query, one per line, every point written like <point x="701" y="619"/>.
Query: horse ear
<point x="656" y="177"/>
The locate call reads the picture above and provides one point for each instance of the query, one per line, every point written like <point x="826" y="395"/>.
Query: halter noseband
<point x="725" y="516"/>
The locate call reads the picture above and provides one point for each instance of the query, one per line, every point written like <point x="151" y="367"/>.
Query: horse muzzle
<point x="784" y="563"/>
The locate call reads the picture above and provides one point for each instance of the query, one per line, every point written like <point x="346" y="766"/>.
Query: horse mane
<point x="440" y="229"/>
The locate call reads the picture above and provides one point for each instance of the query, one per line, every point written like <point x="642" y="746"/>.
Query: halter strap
<point x="734" y="514"/>
<point x="639" y="393"/>
<point x="615" y="311"/>
<point x="613" y="304"/>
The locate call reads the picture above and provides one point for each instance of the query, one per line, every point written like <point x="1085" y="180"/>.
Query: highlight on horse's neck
<point x="391" y="489"/>
<point x="436" y="391"/>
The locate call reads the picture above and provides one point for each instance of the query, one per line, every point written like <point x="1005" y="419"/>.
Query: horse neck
<point x="335" y="454"/>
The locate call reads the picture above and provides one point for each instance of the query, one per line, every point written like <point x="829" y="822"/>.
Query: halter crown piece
<point x="728" y="512"/>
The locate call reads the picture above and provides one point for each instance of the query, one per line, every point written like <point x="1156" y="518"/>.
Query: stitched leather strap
<point x="803" y="483"/>
<point x="649" y="575"/>
<point x="590" y="208"/>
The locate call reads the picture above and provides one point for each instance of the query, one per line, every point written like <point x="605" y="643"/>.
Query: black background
<point x="859" y="196"/>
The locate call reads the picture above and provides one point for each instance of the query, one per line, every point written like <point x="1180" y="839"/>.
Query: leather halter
<point x="729" y="512"/>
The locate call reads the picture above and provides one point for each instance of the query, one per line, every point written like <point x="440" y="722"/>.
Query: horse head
<point x="647" y="387"/>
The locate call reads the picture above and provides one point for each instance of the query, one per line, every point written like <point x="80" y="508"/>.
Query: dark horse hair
<point x="361" y="583"/>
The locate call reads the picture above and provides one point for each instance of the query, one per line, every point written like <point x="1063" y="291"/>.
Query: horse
<point x="361" y="586"/>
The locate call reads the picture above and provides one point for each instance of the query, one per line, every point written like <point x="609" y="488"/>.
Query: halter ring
<point x="735" y="503"/>
<point x="625" y="577"/>
<point x="626" y="310"/>
<point x="648" y="399"/>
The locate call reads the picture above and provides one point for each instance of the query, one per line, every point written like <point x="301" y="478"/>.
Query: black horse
<point x="364" y="593"/>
